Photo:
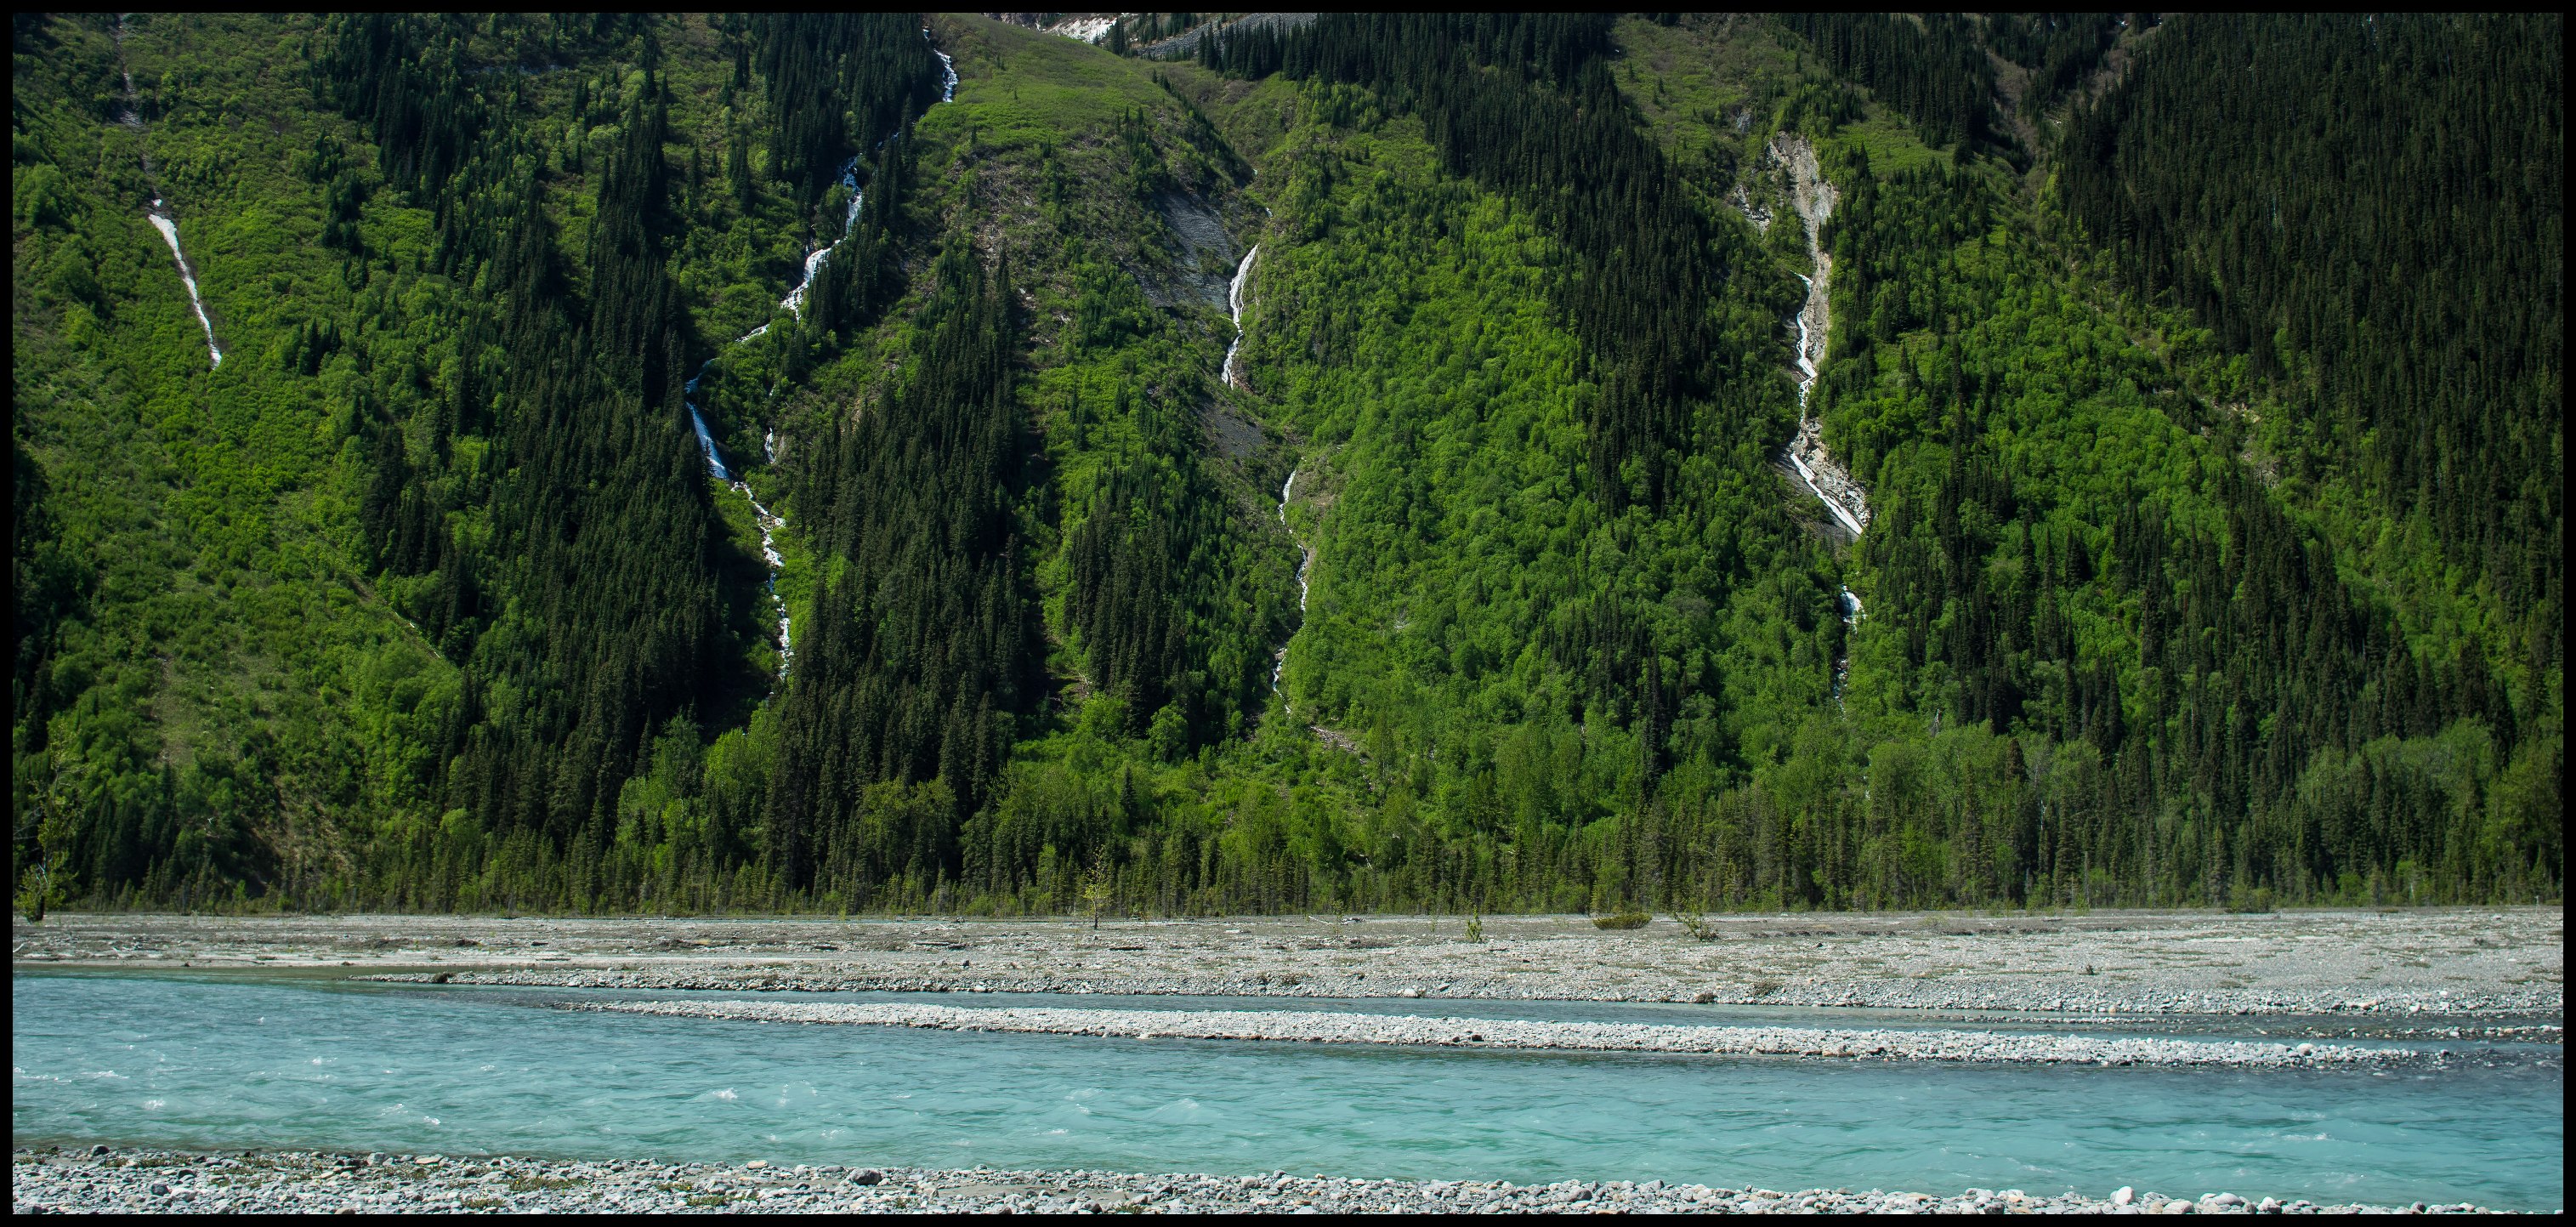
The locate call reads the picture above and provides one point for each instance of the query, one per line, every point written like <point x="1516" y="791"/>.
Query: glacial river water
<point x="283" y="1061"/>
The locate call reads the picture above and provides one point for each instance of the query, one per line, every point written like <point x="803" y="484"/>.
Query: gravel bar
<point x="1305" y="1026"/>
<point x="2463" y="964"/>
<point x="123" y="1181"/>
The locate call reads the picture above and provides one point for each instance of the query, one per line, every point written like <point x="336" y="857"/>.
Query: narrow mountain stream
<point x="1234" y="302"/>
<point x="1305" y="567"/>
<point x="1814" y="200"/>
<point x="1232" y="377"/>
<point x="169" y="229"/>
<point x="794" y="304"/>
<point x="159" y="213"/>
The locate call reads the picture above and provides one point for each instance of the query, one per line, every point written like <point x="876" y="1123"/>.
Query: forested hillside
<point x="872" y="463"/>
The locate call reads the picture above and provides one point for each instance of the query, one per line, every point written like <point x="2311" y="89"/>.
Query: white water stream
<point x="1305" y="568"/>
<point x="768" y="521"/>
<point x="1813" y="199"/>
<point x="170" y="234"/>
<point x="1288" y="488"/>
<point x="1810" y="441"/>
<point x="794" y="303"/>
<point x="159" y="214"/>
<point x="1234" y="302"/>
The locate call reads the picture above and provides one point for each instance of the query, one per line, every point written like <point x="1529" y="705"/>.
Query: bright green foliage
<point x="423" y="598"/>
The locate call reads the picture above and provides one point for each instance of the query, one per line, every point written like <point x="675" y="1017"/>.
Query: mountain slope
<point x="1473" y="572"/>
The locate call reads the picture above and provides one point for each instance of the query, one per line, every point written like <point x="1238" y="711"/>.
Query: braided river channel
<point x="304" y="1061"/>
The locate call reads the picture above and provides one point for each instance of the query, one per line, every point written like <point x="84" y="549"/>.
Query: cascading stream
<point x="1842" y="660"/>
<point x="159" y="214"/>
<point x="769" y="522"/>
<point x="1305" y="566"/>
<point x="1813" y="200"/>
<point x="170" y="234"/>
<point x="1229" y="375"/>
<point x="1234" y="302"/>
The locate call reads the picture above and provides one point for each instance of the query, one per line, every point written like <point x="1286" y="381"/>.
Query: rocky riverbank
<point x="1306" y="1026"/>
<point x="104" y="1180"/>
<point x="2455" y="965"/>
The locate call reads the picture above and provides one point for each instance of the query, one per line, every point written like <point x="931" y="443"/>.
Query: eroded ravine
<point x="1813" y="199"/>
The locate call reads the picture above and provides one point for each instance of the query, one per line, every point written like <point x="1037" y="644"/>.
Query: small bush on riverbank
<point x="1622" y="920"/>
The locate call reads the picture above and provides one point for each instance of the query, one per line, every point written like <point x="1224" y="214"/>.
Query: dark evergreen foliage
<point x="839" y="83"/>
<point x="1932" y="69"/>
<point x="601" y="538"/>
<point x="2369" y="210"/>
<point x="2058" y="49"/>
<point x="923" y="648"/>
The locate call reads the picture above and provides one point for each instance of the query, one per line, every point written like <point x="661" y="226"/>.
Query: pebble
<point x="2466" y="965"/>
<point x="79" y="1179"/>
<point x="1348" y="1028"/>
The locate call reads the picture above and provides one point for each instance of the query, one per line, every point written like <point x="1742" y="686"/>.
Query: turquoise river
<point x="312" y="1063"/>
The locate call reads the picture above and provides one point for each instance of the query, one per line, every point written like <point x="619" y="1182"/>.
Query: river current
<point x="236" y="1061"/>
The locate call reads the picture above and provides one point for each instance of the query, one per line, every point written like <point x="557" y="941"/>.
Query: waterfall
<point x="1305" y="567"/>
<point x="170" y="234"/>
<point x="1288" y="488"/>
<point x="1842" y="660"/>
<point x="769" y="522"/>
<point x="1806" y="384"/>
<point x="1234" y="301"/>
<point x="158" y="215"/>
<point x="1813" y="199"/>
<point x="794" y="303"/>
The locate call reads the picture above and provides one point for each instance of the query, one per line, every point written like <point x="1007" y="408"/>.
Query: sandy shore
<point x="2455" y="962"/>
<point x="126" y="1181"/>
<point x="1306" y="1026"/>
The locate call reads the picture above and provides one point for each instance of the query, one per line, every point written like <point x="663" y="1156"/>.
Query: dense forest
<point x="644" y="463"/>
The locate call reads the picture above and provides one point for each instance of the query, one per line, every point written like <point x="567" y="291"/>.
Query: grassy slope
<point x="227" y="635"/>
